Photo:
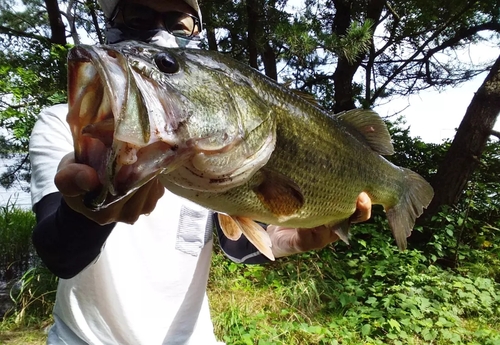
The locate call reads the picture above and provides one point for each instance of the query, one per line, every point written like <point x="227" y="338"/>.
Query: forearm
<point x="65" y="240"/>
<point x="240" y="251"/>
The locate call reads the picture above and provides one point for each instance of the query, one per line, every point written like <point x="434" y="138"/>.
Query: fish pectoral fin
<point x="229" y="227"/>
<point x="256" y="235"/>
<point x="233" y="227"/>
<point x="342" y="230"/>
<point x="370" y="128"/>
<point x="278" y="193"/>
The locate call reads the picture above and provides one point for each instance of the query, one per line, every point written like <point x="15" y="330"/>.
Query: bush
<point x="32" y="286"/>
<point x="365" y="293"/>
<point x="16" y="250"/>
<point x="34" y="296"/>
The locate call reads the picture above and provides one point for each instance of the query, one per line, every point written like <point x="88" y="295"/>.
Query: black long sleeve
<point x="66" y="240"/>
<point x="240" y="251"/>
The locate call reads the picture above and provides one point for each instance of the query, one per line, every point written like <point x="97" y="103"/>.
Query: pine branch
<point x="95" y="21"/>
<point x="432" y="37"/>
<point x="462" y="34"/>
<point x="12" y="32"/>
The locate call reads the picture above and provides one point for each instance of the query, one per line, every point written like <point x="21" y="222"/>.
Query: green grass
<point x="434" y="306"/>
<point x="24" y="324"/>
<point x="12" y="333"/>
<point x="16" y="249"/>
<point x="23" y="337"/>
<point x="367" y="293"/>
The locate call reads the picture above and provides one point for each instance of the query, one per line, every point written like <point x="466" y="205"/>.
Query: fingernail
<point x="81" y="181"/>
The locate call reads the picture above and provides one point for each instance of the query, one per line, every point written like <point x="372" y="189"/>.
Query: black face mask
<point x="121" y="33"/>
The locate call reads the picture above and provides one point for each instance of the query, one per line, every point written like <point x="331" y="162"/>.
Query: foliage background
<point x="345" y="53"/>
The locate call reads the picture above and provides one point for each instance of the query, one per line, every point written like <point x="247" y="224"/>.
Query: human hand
<point x="74" y="180"/>
<point x="288" y="241"/>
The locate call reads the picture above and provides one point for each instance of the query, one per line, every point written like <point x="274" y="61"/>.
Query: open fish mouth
<point x="110" y="122"/>
<point x="136" y="112"/>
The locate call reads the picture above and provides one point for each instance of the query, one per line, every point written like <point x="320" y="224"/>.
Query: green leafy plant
<point x="365" y="293"/>
<point x="16" y="251"/>
<point x="35" y="296"/>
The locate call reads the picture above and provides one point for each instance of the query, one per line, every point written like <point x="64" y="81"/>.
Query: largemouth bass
<point x="221" y="134"/>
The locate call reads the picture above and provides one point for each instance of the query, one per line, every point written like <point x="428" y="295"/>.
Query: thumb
<point x="76" y="179"/>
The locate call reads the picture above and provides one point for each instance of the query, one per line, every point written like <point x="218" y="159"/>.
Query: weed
<point x="35" y="297"/>
<point x="16" y="250"/>
<point x="365" y="293"/>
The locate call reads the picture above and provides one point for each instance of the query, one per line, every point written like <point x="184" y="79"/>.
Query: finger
<point x="157" y="191"/>
<point x="142" y="202"/>
<point x="363" y="208"/>
<point x="74" y="179"/>
<point x="67" y="159"/>
<point x="132" y="209"/>
<point x="329" y="235"/>
<point x="315" y="238"/>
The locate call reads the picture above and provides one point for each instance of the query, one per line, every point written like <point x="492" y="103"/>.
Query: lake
<point x="14" y="194"/>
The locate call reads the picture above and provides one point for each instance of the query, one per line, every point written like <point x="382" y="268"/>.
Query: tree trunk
<point x="91" y="5"/>
<point x="212" y="41"/>
<point x="207" y="8"/>
<point x="56" y="24"/>
<point x="467" y="147"/>
<point x="345" y="70"/>
<point x="269" y="59"/>
<point x="253" y="29"/>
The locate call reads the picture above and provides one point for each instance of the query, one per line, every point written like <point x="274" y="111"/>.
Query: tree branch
<point x="95" y="21"/>
<point x="495" y="133"/>
<point x="462" y="34"/>
<point x="315" y="80"/>
<point x="12" y="32"/>
<point x="7" y="175"/>
<point x="71" y="20"/>
<point x="17" y="106"/>
<point x="418" y="51"/>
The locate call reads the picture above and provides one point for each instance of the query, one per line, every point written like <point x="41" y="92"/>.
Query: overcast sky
<point x="434" y="115"/>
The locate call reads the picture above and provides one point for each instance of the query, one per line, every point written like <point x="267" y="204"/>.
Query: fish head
<point x="139" y="110"/>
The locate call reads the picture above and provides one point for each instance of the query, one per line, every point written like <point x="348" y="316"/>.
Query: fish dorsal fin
<point x="255" y="233"/>
<point x="306" y="96"/>
<point x="368" y="126"/>
<point x="278" y="193"/>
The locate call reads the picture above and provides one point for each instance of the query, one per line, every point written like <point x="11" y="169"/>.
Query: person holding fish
<point x="135" y="272"/>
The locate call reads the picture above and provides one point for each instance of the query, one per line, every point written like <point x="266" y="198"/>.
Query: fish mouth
<point x="131" y="123"/>
<point x="101" y="90"/>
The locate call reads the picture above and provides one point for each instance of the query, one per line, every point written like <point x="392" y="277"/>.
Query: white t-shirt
<point x="148" y="286"/>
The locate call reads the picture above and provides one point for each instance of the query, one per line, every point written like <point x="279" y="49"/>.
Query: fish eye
<point x="166" y="63"/>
